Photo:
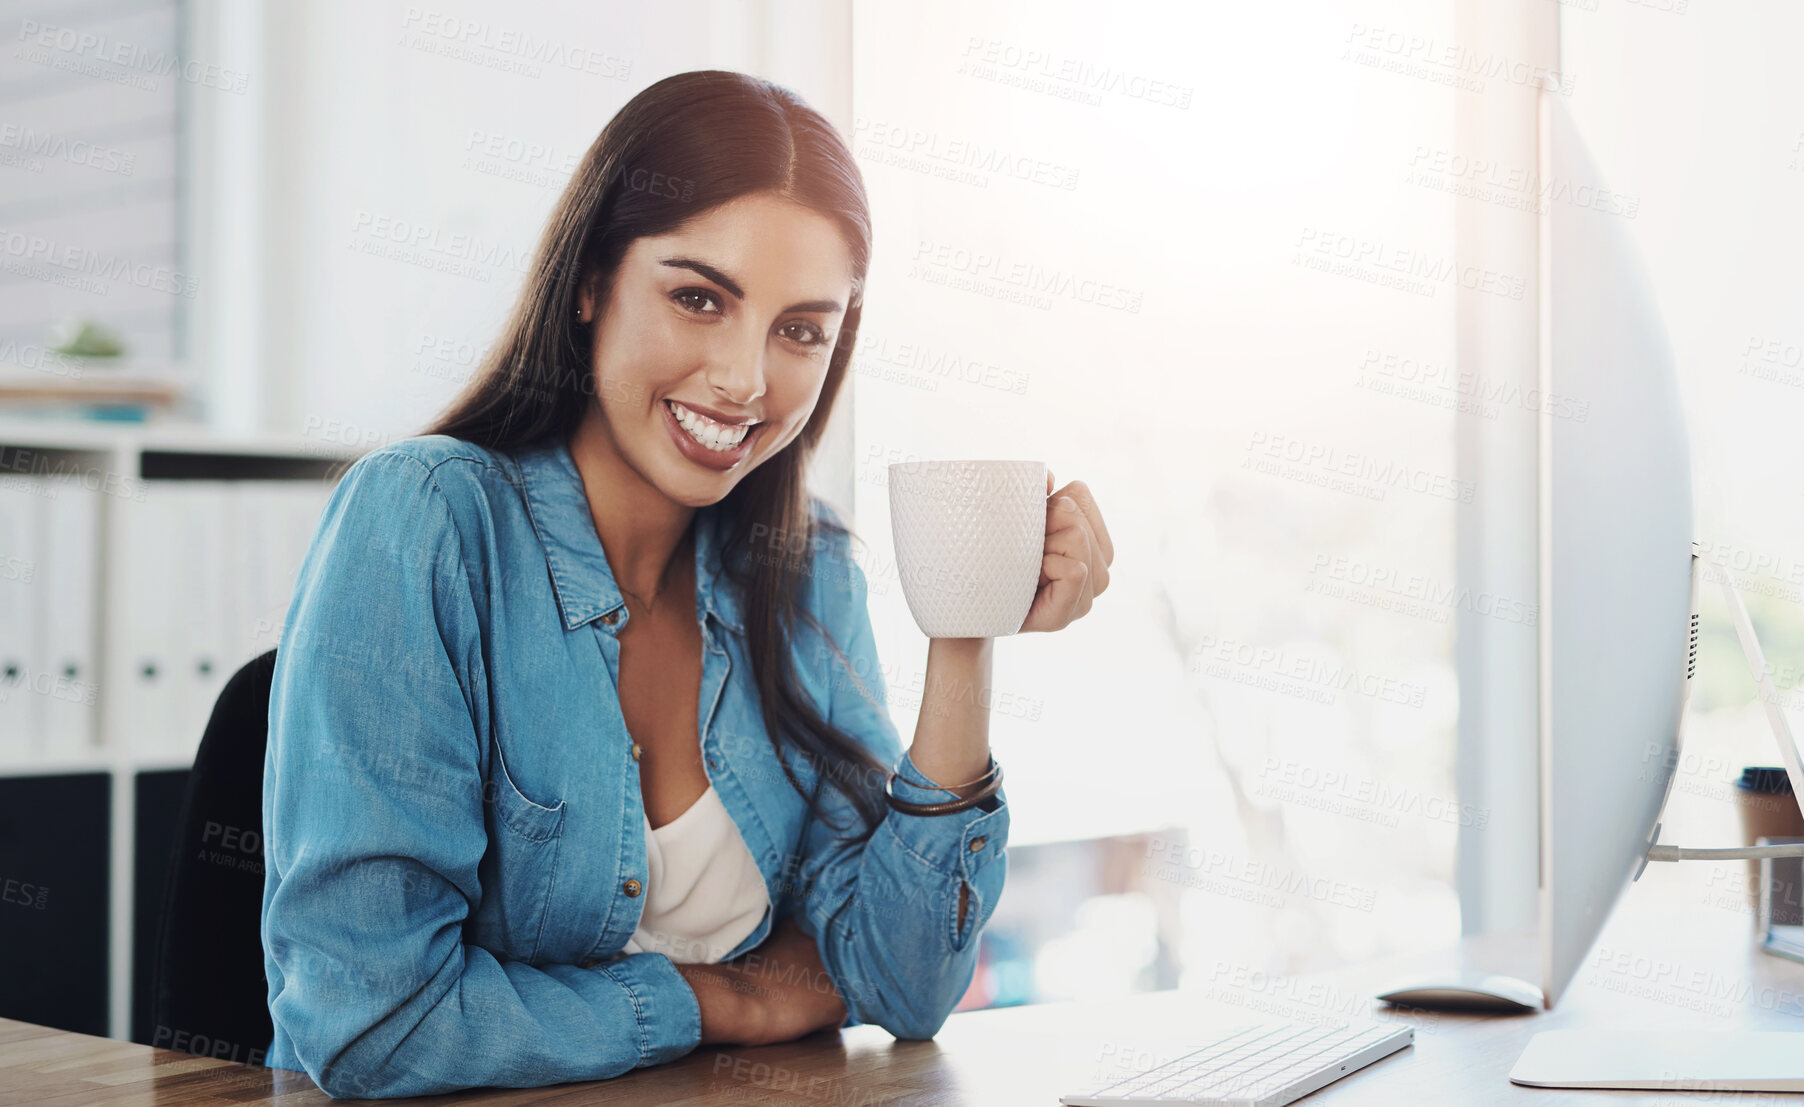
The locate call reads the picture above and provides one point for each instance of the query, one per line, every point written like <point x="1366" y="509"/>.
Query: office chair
<point x="208" y="992"/>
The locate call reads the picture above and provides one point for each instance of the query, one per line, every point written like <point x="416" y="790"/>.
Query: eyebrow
<point x="732" y="286"/>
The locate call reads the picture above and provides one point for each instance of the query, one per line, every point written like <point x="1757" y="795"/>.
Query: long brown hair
<point x="679" y="148"/>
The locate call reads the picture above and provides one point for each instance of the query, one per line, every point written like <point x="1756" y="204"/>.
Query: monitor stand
<point x="1665" y="1060"/>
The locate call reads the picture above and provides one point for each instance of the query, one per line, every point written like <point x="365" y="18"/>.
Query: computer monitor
<point x="1617" y="579"/>
<point x="1618" y="634"/>
<point x="1617" y="605"/>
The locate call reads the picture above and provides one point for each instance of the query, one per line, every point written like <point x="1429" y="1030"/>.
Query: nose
<point x="736" y="376"/>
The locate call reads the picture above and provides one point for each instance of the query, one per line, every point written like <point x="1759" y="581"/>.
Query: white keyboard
<point x="1264" y="1064"/>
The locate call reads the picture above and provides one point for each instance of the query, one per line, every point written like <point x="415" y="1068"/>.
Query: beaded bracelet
<point x="992" y="783"/>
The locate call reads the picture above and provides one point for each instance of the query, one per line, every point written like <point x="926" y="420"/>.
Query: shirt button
<point x="631" y="887"/>
<point x="637" y="750"/>
<point x="977" y="843"/>
<point x="610" y="618"/>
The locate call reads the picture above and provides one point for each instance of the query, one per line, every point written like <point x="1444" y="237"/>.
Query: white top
<point x="703" y="890"/>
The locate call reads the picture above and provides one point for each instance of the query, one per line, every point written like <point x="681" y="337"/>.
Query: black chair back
<point x="209" y="994"/>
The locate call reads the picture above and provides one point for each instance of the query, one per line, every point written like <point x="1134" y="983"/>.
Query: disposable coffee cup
<point x="970" y="537"/>
<point x="1781" y="887"/>
<point x="1768" y="810"/>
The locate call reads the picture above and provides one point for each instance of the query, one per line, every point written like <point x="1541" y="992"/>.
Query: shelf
<point x="99" y="762"/>
<point x="171" y="437"/>
<point x="151" y="454"/>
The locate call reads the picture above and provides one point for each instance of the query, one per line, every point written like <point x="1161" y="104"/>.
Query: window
<point x="90" y="145"/>
<point x="1203" y="260"/>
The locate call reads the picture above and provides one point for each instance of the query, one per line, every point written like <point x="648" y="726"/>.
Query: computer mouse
<point x="1487" y="993"/>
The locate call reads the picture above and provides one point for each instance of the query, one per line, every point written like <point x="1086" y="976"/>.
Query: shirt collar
<point x="580" y="574"/>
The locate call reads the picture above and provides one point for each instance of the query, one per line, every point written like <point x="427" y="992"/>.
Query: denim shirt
<point x="453" y="834"/>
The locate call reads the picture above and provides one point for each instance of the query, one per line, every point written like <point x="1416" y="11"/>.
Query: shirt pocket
<point x="522" y="865"/>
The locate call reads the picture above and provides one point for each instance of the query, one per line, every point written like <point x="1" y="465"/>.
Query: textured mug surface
<point x="970" y="536"/>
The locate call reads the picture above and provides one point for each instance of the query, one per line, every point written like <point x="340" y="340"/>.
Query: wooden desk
<point x="1699" y="969"/>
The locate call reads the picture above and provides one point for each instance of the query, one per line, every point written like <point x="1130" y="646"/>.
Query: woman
<point x="578" y="755"/>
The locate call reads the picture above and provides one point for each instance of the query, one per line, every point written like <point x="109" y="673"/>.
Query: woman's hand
<point x="773" y="993"/>
<point x="1075" y="568"/>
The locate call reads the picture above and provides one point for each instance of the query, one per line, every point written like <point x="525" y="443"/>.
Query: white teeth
<point x="714" y="436"/>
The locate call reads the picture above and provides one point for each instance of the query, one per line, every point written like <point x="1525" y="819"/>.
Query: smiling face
<point x="734" y="316"/>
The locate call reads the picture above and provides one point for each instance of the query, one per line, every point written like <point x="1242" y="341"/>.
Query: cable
<point x="1737" y="853"/>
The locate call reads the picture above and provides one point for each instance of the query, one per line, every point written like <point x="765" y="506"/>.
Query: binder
<point x="67" y="671"/>
<point x="257" y="574"/>
<point x="278" y="522"/>
<point x="141" y="661"/>
<point x="205" y="648"/>
<point x="21" y="737"/>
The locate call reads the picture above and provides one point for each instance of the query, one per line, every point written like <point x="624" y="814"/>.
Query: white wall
<point x="1699" y="114"/>
<point x="391" y="119"/>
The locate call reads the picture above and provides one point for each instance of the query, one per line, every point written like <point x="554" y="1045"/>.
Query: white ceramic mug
<point x="970" y="536"/>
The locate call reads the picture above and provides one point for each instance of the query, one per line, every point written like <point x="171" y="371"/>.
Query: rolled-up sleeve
<point x="374" y="831"/>
<point x="885" y="913"/>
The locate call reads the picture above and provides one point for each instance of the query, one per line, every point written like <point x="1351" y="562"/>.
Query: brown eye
<point x="699" y="300"/>
<point x="810" y="335"/>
